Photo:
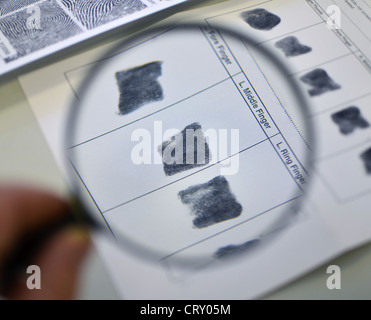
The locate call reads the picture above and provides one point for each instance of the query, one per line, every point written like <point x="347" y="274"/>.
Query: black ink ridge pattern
<point x="95" y="13"/>
<point x="190" y="156"/>
<point x="235" y="250"/>
<point x="139" y="86"/>
<point x="261" y="19"/>
<point x="320" y="81"/>
<point x="292" y="47"/>
<point x="366" y="157"/>
<point x="349" y="119"/>
<point x="8" y="6"/>
<point x="55" y="26"/>
<point x="211" y="202"/>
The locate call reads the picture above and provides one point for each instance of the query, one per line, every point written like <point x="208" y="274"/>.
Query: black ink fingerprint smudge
<point x="349" y="119"/>
<point x="234" y="250"/>
<point x="320" y="81"/>
<point x="139" y="86"/>
<point x="211" y="202"/>
<point x="292" y="47"/>
<point x="261" y="19"/>
<point x="185" y="151"/>
<point x="366" y="157"/>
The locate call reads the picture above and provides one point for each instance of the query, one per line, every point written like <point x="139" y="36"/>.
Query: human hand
<point x="23" y="213"/>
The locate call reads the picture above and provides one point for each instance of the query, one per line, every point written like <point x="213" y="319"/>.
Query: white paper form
<point x="33" y="29"/>
<point x="342" y="53"/>
<point x="298" y="250"/>
<point x="208" y="78"/>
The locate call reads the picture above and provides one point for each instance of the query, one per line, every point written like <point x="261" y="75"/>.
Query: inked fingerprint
<point x="94" y="13"/>
<point x="234" y="250"/>
<point x="366" y="157"/>
<point x="139" y="86"/>
<point x="55" y="26"/>
<point x="261" y="19"/>
<point x="211" y="202"/>
<point x="292" y="47"/>
<point x="7" y="6"/>
<point x="349" y="119"/>
<point x="186" y="150"/>
<point x="320" y="81"/>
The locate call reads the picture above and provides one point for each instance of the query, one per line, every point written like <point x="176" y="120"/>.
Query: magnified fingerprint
<point x="7" y="6"/>
<point x="349" y="119"/>
<point x="185" y="151"/>
<point x="139" y="86"/>
<point x="366" y="157"/>
<point x="211" y="202"/>
<point x="261" y="19"/>
<point x="94" y="13"/>
<point x="320" y="81"/>
<point x="55" y="26"/>
<point x="234" y="250"/>
<point x="292" y="47"/>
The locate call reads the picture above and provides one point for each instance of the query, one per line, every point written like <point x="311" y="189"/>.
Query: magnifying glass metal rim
<point x="129" y="43"/>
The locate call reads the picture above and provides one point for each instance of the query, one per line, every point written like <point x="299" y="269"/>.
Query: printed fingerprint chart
<point x="32" y="29"/>
<point x="184" y="196"/>
<point x="58" y="21"/>
<point x="142" y="105"/>
<point x="334" y="71"/>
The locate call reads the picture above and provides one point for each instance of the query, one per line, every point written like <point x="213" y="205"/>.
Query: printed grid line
<point x="277" y="128"/>
<point x="268" y="138"/>
<point x="347" y="37"/>
<point x="356" y="26"/>
<point x="340" y="105"/>
<point x="230" y="77"/>
<point x="228" y="229"/>
<point x="22" y="8"/>
<point x="352" y="52"/>
<point x="244" y="8"/>
<point x="185" y="177"/>
<point x="367" y="67"/>
<point x="148" y="115"/>
<point x="72" y="17"/>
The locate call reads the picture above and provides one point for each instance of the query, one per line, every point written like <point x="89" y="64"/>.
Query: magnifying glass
<point x="189" y="144"/>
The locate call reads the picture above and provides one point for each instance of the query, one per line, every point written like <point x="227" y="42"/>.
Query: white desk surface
<point x="26" y="158"/>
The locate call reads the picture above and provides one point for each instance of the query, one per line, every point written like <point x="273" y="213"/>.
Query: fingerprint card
<point x="303" y="49"/>
<point x="24" y="39"/>
<point x="352" y="180"/>
<point x="92" y="14"/>
<point x="344" y="126"/>
<point x="269" y="20"/>
<point x="333" y="83"/>
<point x="177" y="146"/>
<point x="33" y="29"/>
<point x="185" y="195"/>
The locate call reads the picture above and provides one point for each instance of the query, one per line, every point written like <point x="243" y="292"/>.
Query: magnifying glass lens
<point x="189" y="144"/>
